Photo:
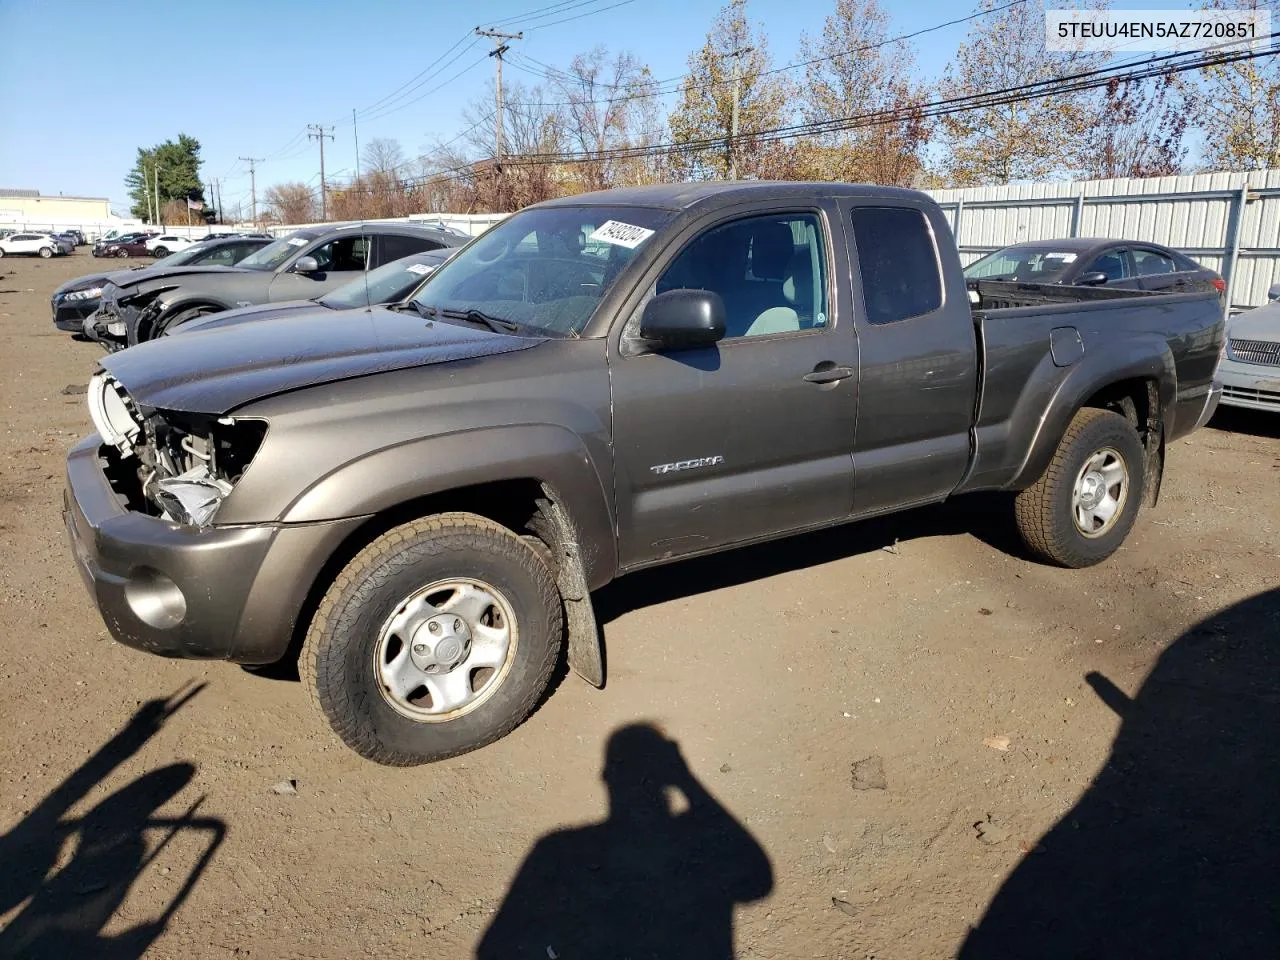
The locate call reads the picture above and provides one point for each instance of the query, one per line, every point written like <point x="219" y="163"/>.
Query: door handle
<point x="828" y="372"/>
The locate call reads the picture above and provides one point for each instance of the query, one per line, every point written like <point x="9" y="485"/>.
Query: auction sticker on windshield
<point x="621" y="234"/>
<point x="297" y="241"/>
<point x="421" y="269"/>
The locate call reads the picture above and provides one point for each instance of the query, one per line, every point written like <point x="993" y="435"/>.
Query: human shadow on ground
<point x="64" y="909"/>
<point x="1174" y="850"/>
<point x="658" y="879"/>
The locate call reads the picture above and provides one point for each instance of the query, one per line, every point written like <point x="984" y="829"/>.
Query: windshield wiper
<point x="496" y="324"/>
<point x="427" y="313"/>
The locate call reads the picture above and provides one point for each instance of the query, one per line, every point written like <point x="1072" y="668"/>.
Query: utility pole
<point x="500" y="47"/>
<point x="737" y="87"/>
<point x="356" y="131"/>
<point x="253" y="184"/>
<point x="316" y="131"/>
<point x="155" y="185"/>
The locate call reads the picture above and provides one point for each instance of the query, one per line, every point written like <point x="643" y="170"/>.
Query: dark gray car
<point x="387" y="284"/>
<point x="78" y="299"/>
<point x="306" y="264"/>
<point x="422" y="499"/>
<point x="1123" y="264"/>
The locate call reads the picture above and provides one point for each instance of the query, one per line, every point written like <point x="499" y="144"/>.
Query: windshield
<point x="277" y="252"/>
<point x="544" y="268"/>
<point x="390" y="282"/>
<point x="1041" y="264"/>
<point x="182" y="256"/>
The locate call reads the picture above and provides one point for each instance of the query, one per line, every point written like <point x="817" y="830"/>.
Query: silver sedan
<point x="1250" y="369"/>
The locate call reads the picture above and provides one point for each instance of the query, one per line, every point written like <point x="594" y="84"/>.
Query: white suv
<point x="169" y="243"/>
<point x="30" y="243"/>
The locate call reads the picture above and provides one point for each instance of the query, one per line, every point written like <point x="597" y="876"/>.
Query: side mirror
<point x="683" y="318"/>
<point x="1095" y="279"/>
<point x="1274" y="292"/>
<point x="306" y="265"/>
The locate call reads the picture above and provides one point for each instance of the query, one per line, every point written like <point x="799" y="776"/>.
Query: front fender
<point x="550" y="454"/>
<point x="1139" y="359"/>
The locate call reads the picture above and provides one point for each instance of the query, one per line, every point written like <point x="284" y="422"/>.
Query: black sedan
<point x="1088" y="262"/>
<point x="79" y="298"/>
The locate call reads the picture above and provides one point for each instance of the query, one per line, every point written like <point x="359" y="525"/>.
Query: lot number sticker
<point x="297" y="241"/>
<point x="621" y="234"/>
<point x="421" y="269"/>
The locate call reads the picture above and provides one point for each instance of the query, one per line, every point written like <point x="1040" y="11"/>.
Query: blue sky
<point x="245" y="76"/>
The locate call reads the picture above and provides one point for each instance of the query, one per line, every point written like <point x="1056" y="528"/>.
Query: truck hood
<point x="1260" y="323"/>
<point x="231" y="318"/>
<point x="215" y="371"/>
<point x="133" y="277"/>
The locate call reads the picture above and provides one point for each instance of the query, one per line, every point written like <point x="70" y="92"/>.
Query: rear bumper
<point x="1255" y="386"/>
<point x="222" y="593"/>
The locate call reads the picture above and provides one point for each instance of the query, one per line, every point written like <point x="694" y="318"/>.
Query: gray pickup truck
<point x="416" y="502"/>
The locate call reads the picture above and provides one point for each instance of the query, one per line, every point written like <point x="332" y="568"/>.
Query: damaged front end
<point x="175" y="465"/>
<point x="117" y="321"/>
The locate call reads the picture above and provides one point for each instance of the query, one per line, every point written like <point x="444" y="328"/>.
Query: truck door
<point x="751" y="436"/>
<point x="918" y="353"/>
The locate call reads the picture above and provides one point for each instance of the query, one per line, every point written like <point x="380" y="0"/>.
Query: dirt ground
<point x="890" y="731"/>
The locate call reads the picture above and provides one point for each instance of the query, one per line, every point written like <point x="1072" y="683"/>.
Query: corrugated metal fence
<point x="1227" y="221"/>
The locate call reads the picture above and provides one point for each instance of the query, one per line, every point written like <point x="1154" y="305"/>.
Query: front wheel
<point x="46" y="252"/>
<point x="1" y="253"/>
<point x="436" y="639"/>
<point x="1086" y="502"/>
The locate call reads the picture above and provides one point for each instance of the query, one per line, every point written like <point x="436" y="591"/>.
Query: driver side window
<point x="770" y="271"/>
<point x="343" y="255"/>
<point x="1113" y="263"/>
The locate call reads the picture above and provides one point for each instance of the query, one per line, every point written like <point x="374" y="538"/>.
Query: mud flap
<point x="1153" y="468"/>
<point x="585" y="649"/>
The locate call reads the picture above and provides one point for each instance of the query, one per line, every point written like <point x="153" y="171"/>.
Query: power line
<point x="392" y="108"/>
<point x="1070" y="83"/>
<point x="589" y="13"/>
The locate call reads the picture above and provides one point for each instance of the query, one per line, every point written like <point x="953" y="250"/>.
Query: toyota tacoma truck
<point x="417" y="502"/>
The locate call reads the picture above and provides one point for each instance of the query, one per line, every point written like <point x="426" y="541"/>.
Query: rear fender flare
<point x="1133" y="360"/>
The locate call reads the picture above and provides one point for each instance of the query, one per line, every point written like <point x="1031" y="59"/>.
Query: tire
<point x="1" y="253"/>
<point x="178" y="319"/>
<point x="160" y="252"/>
<point x="122" y="254"/>
<point x="46" y="252"/>
<point x="347" y="643"/>
<point x="1048" y="516"/>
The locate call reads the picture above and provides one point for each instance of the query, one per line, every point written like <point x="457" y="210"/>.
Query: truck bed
<point x="1038" y="344"/>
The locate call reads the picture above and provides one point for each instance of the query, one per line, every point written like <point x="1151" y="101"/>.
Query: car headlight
<point x="88" y="294"/>
<point x="109" y="410"/>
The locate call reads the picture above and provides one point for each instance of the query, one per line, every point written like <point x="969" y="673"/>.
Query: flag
<point x="195" y="204"/>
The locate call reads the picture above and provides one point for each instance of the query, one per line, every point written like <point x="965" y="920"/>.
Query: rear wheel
<point x="1086" y="502"/>
<point x="122" y="254"/>
<point x="46" y="252"/>
<point x="436" y="639"/>
<point x="159" y="252"/>
<point x="1" y="253"/>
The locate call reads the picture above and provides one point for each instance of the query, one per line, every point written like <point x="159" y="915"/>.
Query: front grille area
<point x="1269" y="398"/>
<point x="1256" y="351"/>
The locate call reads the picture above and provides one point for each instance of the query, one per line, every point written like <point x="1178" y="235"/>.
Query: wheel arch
<point x="1142" y="388"/>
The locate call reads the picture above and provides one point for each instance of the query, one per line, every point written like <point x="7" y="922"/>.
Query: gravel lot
<point x="887" y="732"/>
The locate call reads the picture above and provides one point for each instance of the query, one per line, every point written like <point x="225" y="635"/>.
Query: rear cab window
<point x="898" y="263"/>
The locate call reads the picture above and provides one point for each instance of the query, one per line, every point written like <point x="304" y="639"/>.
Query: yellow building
<point x="23" y="207"/>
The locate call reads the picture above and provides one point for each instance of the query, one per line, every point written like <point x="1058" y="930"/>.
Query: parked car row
<point x="44" y="245"/>
<point x="137" y="306"/>
<point x="421" y="497"/>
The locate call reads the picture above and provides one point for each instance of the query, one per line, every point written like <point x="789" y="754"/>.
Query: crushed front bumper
<point x="222" y="593"/>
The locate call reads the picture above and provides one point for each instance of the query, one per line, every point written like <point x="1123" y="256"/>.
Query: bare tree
<point x="705" y="110"/>
<point x="607" y="107"/>
<point x="1138" y="131"/>
<point x="1021" y="140"/>
<point x="1236" y="106"/>
<point x="292" y="202"/>
<point x="855" y="71"/>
